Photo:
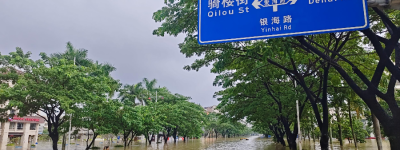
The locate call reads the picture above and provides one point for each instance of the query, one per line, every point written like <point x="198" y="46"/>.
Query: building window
<point x="12" y="112"/>
<point x="12" y="125"/>
<point x="20" y="126"/>
<point x="33" y="126"/>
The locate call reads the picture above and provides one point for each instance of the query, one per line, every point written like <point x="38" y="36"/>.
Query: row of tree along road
<point x="342" y="72"/>
<point x="69" y="87"/>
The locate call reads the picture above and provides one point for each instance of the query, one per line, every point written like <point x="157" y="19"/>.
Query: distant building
<point x="211" y="109"/>
<point x="26" y="127"/>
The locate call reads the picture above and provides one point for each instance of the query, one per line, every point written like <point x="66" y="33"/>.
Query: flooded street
<point x="254" y="143"/>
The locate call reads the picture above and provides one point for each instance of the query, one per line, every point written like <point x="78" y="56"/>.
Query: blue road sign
<point x="239" y="20"/>
<point x="118" y="137"/>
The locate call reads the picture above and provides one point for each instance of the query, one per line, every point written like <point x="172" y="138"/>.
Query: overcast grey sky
<point x="114" y="31"/>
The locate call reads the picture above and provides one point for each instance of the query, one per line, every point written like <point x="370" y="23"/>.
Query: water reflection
<point x="254" y="143"/>
<point x="369" y="145"/>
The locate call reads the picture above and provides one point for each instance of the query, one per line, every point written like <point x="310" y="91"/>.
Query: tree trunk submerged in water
<point x="125" y="139"/>
<point x="53" y="132"/>
<point x="339" y="126"/>
<point x="394" y="140"/>
<point x="133" y="135"/>
<point x="278" y="134"/>
<point x="63" y="142"/>
<point x="165" y="139"/>
<point x="174" y="134"/>
<point x="323" y="122"/>
<point x="291" y="137"/>
<point x="149" y="138"/>
<point x="166" y="135"/>
<point x="324" y="141"/>
<point x="280" y="137"/>
<point x="393" y="133"/>
<point x="377" y="131"/>
<point x="351" y="126"/>
<point x="92" y="142"/>
<point x="55" y="142"/>
<point x="281" y="141"/>
<point x="292" y="141"/>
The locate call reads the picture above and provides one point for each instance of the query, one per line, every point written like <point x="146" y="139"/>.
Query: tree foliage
<point x="329" y="68"/>
<point x="53" y="86"/>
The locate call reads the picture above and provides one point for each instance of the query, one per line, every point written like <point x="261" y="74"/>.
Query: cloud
<point x="118" y="32"/>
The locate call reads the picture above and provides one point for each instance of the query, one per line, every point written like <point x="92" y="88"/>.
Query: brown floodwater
<point x="253" y="143"/>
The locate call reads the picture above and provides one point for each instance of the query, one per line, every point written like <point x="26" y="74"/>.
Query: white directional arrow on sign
<point x="292" y="2"/>
<point x="257" y="3"/>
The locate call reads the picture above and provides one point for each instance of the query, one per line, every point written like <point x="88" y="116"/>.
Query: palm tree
<point x="131" y="92"/>
<point x="105" y="68"/>
<point x="150" y="88"/>
<point x="150" y="85"/>
<point x="80" y="55"/>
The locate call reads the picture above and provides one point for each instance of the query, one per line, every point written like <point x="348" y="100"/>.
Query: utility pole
<point x="330" y="128"/>
<point x="298" y="119"/>
<point x="298" y="122"/>
<point x="155" y="106"/>
<point x="70" y="128"/>
<point x="69" y="133"/>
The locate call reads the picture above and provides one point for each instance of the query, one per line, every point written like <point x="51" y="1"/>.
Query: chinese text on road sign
<point x="238" y="20"/>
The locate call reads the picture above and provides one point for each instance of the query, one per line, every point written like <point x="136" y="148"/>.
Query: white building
<point x="26" y="128"/>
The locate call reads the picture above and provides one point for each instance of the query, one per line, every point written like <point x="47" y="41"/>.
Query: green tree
<point x="127" y="121"/>
<point x="358" y="129"/>
<point x="131" y="93"/>
<point x="212" y="123"/>
<point x="53" y="86"/>
<point x="79" y="55"/>
<point x="340" y="53"/>
<point x="191" y="119"/>
<point x="96" y="116"/>
<point x="152" y="120"/>
<point x="150" y="90"/>
<point x="180" y="115"/>
<point x="246" y="97"/>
